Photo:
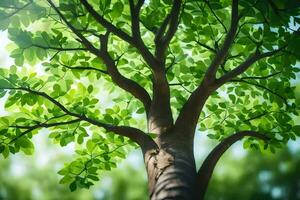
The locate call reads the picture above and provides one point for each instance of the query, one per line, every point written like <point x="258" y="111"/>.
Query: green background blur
<point x="240" y="174"/>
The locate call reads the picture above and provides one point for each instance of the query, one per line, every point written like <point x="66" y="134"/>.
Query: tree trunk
<point x="171" y="169"/>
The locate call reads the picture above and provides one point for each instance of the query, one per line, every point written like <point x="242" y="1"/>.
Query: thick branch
<point x="120" y="80"/>
<point x="161" y="119"/>
<point x="127" y="84"/>
<point x="191" y="109"/>
<point x="135" y="22"/>
<point x="206" y="170"/>
<point x="189" y="114"/>
<point x="144" y="51"/>
<point x="162" y="40"/>
<point x="174" y="22"/>
<point x="160" y="32"/>
<point x="222" y="53"/>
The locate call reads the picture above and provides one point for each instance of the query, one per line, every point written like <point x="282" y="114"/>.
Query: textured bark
<point x="171" y="168"/>
<point x="160" y="116"/>
<point x="171" y="175"/>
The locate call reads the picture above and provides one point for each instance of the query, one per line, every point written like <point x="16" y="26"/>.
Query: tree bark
<point x="171" y="175"/>
<point x="171" y="169"/>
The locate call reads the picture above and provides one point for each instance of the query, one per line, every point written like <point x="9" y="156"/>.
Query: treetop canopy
<point x="77" y="92"/>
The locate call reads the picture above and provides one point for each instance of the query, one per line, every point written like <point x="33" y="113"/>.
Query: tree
<point x="221" y="65"/>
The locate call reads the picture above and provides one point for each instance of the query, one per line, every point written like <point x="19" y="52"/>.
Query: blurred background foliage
<point x="35" y="177"/>
<point x="240" y="174"/>
<point x="257" y="177"/>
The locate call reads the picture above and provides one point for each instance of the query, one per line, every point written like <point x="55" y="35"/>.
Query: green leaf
<point x="5" y="152"/>
<point x="90" y="145"/>
<point x="19" y="61"/>
<point x="22" y="38"/>
<point x="80" y="139"/>
<point x="212" y="136"/>
<point x="41" y="54"/>
<point x="140" y="110"/>
<point x="2" y="147"/>
<point x="187" y="18"/>
<point x="296" y="130"/>
<point x="232" y="98"/>
<point x="222" y="105"/>
<point x="117" y="9"/>
<point x="5" y="84"/>
<point x="73" y="186"/>
<point x="66" y="179"/>
<point x="29" y="54"/>
<point x="94" y="178"/>
<point x="90" y="89"/>
<point x="26" y="145"/>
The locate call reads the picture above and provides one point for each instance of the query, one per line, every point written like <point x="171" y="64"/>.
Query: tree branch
<point x="181" y="85"/>
<point x="260" y="77"/>
<point x="84" y="41"/>
<point x="222" y="53"/>
<point x="84" y="68"/>
<point x="127" y="84"/>
<point x="120" y="80"/>
<point x="206" y="47"/>
<point x="161" y="119"/>
<point x="257" y="116"/>
<point x="135" y="22"/>
<point x="215" y="15"/>
<point x="173" y="61"/>
<point x="263" y="87"/>
<point x="160" y="32"/>
<point x="244" y="66"/>
<point x="191" y="109"/>
<point x="106" y="24"/>
<point x="59" y="48"/>
<point x="40" y="125"/>
<point x="134" y="134"/>
<point x="144" y="51"/>
<point x="206" y="170"/>
<point x="172" y="20"/>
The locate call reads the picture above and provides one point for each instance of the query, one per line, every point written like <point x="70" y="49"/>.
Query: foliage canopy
<point x="96" y="76"/>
